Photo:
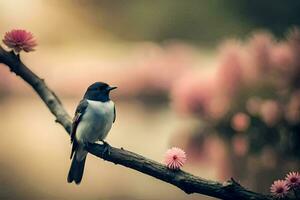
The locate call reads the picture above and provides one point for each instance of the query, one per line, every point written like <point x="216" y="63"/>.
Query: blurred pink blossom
<point x="294" y="35"/>
<point x="270" y="112"/>
<point x="279" y="189"/>
<point x="240" y="121"/>
<point x="175" y="158"/>
<point x="260" y="46"/>
<point x="283" y="58"/>
<point x="19" y="40"/>
<point x="218" y="106"/>
<point x="240" y="145"/>
<point x="294" y="42"/>
<point x="292" y="110"/>
<point x="230" y="70"/>
<point x="253" y="105"/>
<point x="293" y="180"/>
<point x="256" y="58"/>
<point x="155" y="69"/>
<point x="193" y="94"/>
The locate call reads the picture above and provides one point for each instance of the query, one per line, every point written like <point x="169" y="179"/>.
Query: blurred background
<point x="219" y="79"/>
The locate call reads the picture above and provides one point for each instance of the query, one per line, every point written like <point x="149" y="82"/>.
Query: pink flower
<point x="294" y="42"/>
<point x="240" y="122"/>
<point x="293" y="179"/>
<point x="175" y="158"/>
<point x="218" y="107"/>
<point x="155" y="69"/>
<point x="283" y="58"/>
<point x="270" y="112"/>
<point x="193" y="94"/>
<point x="240" y="145"/>
<point x="279" y="189"/>
<point x="19" y="40"/>
<point x="260" y="46"/>
<point x="294" y="36"/>
<point x="230" y="70"/>
<point x="253" y="105"/>
<point x="292" y="111"/>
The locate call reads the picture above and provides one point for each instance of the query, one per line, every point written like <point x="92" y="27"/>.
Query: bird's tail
<point x="76" y="169"/>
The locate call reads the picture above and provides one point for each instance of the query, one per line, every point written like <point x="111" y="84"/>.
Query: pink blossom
<point x="218" y="107"/>
<point x="294" y="36"/>
<point x="175" y="158"/>
<point x="279" y="189"/>
<point x="198" y="95"/>
<point x="260" y="49"/>
<point x="240" y="121"/>
<point x="292" y="111"/>
<point x="293" y="179"/>
<point x="253" y="105"/>
<point x="230" y="71"/>
<point x="294" y="42"/>
<point x="154" y="68"/>
<point x="270" y="112"/>
<point x="283" y="58"/>
<point x="19" y="40"/>
<point x="240" y="145"/>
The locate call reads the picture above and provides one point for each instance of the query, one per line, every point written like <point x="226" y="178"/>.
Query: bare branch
<point x="50" y="99"/>
<point x="187" y="182"/>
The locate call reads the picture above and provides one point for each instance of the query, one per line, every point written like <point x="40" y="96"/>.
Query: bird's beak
<point x="112" y="88"/>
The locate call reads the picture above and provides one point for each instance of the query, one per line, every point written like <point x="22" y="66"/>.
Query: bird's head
<point x="98" y="91"/>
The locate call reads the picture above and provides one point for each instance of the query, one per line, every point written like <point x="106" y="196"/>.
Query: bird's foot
<point x="106" y="151"/>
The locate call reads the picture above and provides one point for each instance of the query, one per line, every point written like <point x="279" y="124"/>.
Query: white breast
<point x="96" y="122"/>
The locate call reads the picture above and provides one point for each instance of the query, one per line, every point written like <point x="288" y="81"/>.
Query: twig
<point x="187" y="182"/>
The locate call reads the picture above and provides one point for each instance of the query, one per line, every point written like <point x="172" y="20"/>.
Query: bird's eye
<point x="102" y="87"/>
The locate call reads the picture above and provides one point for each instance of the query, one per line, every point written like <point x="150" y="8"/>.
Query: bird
<point x="92" y="121"/>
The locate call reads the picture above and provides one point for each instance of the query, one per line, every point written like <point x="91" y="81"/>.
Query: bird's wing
<point x="80" y="110"/>
<point x="115" y="114"/>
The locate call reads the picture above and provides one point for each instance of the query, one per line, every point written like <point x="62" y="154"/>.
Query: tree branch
<point x="187" y="182"/>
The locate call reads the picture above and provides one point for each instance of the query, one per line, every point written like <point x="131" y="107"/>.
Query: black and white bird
<point x="93" y="119"/>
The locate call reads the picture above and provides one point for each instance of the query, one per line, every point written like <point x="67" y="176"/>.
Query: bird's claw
<point x="106" y="150"/>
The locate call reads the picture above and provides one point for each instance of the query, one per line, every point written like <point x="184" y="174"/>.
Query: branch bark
<point x="230" y="190"/>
